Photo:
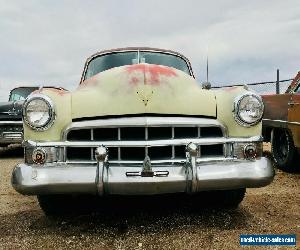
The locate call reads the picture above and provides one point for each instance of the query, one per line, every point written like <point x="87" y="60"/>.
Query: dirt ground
<point x="171" y="223"/>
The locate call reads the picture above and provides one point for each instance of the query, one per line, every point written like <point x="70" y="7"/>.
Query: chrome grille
<point x="142" y="133"/>
<point x="106" y="133"/>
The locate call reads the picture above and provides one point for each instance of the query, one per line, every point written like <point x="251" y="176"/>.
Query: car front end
<point x="141" y="129"/>
<point x="186" y="153"/>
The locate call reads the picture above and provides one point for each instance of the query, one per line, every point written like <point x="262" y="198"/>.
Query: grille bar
<point x="119" y="139"/>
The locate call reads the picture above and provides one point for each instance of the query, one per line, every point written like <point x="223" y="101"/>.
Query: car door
<point x="294" y="115"/>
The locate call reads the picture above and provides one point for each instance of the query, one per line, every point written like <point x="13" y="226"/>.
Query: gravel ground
<point x="147" y="223"/>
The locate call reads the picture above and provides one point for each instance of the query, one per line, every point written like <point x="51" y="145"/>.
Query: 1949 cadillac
<point x="139" y="124"/>
<point x="11" y="128"/>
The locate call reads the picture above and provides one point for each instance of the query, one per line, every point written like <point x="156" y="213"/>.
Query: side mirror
<point x="206" y="85"/>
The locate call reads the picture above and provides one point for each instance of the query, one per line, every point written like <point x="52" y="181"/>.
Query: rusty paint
<point x="134" y="80"/>
<point x="294" y="116"/>
<point x="58" y="91"/>
<point x="90" y="82"/>
<point x="276" y="106"/>
<point x="152" y="72"/>
<point x="293" y="83"/>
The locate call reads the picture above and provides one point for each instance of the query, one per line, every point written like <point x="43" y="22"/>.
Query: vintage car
<point x="11" y="126"/>
<point x="140" y="124"/>
<point x="281" y="125"/>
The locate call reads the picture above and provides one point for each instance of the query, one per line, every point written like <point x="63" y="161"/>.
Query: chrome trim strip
<point x="170" y="161"/>
<point x="173" y="148"/>
<point x="11" y="122"/>
<point x="92" y="138"/>
<point x="145" y="121"/>
<point x="12" y="135"/>
<point x="146" y="138"/>
<point x="151" y="143"/>
<point x="119" y="139"/>
<point x="281" y="121"/>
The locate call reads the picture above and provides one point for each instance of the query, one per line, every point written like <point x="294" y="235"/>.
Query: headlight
<point x="38" y="112"/>
<point x="248" y="109"/>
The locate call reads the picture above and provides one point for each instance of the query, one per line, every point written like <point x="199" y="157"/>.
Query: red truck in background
<point x="281" y="126"/>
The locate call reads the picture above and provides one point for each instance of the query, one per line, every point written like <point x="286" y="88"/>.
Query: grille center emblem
<point x="147" y="170"/>
<point x="147" y="165"/>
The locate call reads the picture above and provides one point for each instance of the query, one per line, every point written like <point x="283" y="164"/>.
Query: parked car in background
<point x="11" y="125"/>
<point x="281" y="125"/>
<point x="140" y="124"/>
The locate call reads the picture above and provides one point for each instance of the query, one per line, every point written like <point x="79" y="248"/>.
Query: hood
<point x="142" y="89"/>
<point x="11" y="110"/>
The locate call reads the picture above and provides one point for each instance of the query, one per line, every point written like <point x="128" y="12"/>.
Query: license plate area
<point x="148" y="174"/>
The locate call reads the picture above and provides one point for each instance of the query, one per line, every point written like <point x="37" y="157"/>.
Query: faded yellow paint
<point x="117" y="92"/>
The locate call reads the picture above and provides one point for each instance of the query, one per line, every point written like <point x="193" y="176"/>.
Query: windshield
<point x="112" y="60"/>
<point x="20" y="93"/>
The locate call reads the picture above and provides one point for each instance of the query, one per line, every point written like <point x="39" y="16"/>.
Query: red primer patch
<point x="91" y="82"/>
<point x="154" y="71"/>
<point x="134" y="80"/>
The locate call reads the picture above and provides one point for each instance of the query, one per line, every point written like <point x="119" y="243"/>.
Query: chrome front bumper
<point x="115" y="179"/>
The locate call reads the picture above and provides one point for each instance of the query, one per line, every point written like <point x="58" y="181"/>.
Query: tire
<point x="55" y="204"/>
<point x="283" y="150"/>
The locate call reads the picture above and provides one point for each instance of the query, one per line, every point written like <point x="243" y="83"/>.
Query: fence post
<point x="277" y="82"/>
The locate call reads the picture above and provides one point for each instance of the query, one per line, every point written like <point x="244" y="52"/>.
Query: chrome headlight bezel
<point x="51" y="111"/>
<point x="236" y="110"/>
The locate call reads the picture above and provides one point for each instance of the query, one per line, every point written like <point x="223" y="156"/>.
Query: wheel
<point x="55" y="204"/>
<point x="283" y="150"/>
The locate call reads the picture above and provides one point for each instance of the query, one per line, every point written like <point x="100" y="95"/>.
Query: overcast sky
<point x="47" y="42"/>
